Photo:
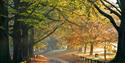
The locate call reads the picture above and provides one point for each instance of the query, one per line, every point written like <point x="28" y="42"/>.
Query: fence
<point x="87" y="60"/>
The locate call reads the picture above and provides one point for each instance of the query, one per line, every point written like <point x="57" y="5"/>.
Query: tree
<point x="21" y="32"/>
<point x="120" y="13"/>
<point x="4" y="42"/>
<point x="28" y="15"/>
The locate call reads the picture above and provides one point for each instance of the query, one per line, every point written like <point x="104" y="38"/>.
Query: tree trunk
<point x="31" y="41"/>
<point x="24" y="42"/>
<point x="85" y="47"/>
<point x="120" y="55"/>
<point x="105" y="51"/>
<point x="4" y="42"/>
<point x="17" y="42"/>
<point x="91" y="48"/>
<point x="17" y="35"/>
<point x="21" y="43"/>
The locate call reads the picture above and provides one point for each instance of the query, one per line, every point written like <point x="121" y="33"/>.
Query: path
<point x="64" y="57"/>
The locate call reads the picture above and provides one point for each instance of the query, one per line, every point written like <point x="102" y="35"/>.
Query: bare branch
<point x="46" y="36"/>
<point x="50" y="33"/>
<point x="113" y="6"/>
<point x="111" y="10"/>
<point x="107" y="16"/>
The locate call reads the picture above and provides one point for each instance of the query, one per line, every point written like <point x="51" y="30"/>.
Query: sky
<point x="114" y="1"/>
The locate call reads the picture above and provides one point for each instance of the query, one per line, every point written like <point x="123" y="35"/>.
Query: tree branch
<point x="50" y="33"/>
<point x="49" y="11"/>
<point x="107" y="16"/>
<point x="62" y="15"/>
<point x="111" y="10"/>
<point x="71" y="22"/>
<point x="33" y="10"/>
<point x="113" y="6"/>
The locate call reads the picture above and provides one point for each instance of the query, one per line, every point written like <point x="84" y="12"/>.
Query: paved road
<point x="55" y="57"/>
<point x="71" y="58"/>
<point x="65" y="57"/>
<point x="57" y="60"/>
